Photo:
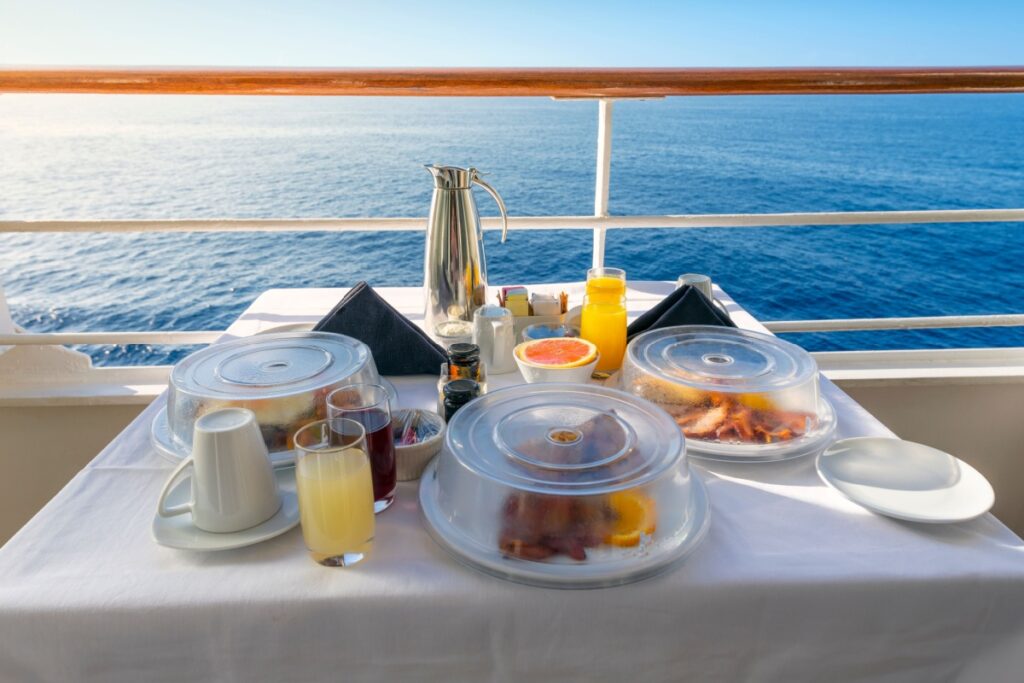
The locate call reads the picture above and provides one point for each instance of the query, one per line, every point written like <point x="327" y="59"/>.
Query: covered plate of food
<point x="564" y="485"/>
<point x="284" y="378"/>
<point x="734" y="394"/>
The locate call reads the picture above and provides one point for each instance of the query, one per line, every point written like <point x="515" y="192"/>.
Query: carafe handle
<point x="497" y="197"/>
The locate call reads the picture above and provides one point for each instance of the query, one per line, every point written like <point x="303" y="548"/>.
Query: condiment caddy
<point x="534" y="308"/>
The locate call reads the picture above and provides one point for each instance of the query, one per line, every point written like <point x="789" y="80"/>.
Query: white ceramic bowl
<point x="410" y="460"/>
<point x="542" y="374"/>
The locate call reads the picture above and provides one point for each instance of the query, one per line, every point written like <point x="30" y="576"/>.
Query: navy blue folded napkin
<point x="398" y="346"/>
<point x="685" y="306"/>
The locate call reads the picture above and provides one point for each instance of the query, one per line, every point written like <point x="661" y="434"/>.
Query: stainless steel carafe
<point x="455" y="272"/>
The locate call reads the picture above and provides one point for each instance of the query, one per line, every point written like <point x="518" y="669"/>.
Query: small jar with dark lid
<point x="458" y="393"/>
<point x="464" y="363"/>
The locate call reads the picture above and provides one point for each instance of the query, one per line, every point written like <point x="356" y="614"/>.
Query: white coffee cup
<point x="233" y="484"/>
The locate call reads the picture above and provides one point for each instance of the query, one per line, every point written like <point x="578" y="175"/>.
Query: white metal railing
<point x="181" y="338"/>
<point x="602" y="177"/>
<point x="173" y="338"/>
<point x="599" y="223"/>
<point x="936" y="322"/>
<point x="596" y="223"/>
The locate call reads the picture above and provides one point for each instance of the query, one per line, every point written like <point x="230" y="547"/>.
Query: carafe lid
<point x="451" y="177"/>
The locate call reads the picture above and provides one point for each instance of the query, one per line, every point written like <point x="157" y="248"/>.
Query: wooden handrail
<point x="567" y="83"/>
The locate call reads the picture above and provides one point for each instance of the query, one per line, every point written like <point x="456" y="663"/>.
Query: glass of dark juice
<point x="368" y="405"/>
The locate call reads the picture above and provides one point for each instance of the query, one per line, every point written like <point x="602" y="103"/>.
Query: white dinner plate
<point x="905" y="480"/>
<point x="179" y="532"/>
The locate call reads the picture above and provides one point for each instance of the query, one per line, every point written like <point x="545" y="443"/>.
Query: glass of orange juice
<point x="335" y="487"/>
<point x="603" y="320"/>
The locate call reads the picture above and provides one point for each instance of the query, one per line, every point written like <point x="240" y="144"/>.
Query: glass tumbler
<point x="335" y="487"/>
<point x="603" y="319"/>
<point x="368" y="405"/>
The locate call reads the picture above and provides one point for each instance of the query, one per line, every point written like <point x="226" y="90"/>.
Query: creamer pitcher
<point x="494" y="333"/>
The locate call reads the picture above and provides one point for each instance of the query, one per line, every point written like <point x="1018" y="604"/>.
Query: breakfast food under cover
<point x="564" y="485"/>
<point x="734" y="393"/>
<point x="283" y="378"/>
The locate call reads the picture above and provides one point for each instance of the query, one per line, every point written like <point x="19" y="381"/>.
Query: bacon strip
<point x="726" y="419"/>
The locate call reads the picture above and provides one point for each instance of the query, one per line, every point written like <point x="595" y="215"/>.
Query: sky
<point x="342" y="33"/>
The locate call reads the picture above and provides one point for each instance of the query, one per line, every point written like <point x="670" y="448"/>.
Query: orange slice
<point x="756" y="401"/>
<point x="559" y="352"/>
<point x="635" y="516"/>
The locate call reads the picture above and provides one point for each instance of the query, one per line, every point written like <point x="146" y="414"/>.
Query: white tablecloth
<point x="793" y="583"/>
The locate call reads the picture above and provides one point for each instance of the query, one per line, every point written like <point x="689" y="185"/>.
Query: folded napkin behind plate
<point x="398" y="346"/>
<point x="685" y="306"/>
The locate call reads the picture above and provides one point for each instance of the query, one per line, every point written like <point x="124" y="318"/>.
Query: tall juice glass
<point x="368" y="405"/>
<point x="332" y="474"/>
<point x="603" y="320"/>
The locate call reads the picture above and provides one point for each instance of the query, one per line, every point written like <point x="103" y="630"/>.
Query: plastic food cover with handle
<point x="564" y="485"/>
<point x="735" y="394"/>
<point x="283" y="378"/>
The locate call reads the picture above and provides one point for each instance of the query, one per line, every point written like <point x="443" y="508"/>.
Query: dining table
<point x="793" y="581"/>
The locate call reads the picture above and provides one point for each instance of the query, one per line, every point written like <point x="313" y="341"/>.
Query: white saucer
<point x="179" y="532"/>
<point x="905" y="480"/>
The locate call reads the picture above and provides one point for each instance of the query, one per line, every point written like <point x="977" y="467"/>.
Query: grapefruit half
<point x="559" y="352"/>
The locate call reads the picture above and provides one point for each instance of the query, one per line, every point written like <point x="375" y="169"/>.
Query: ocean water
<point x="64" y="157"/>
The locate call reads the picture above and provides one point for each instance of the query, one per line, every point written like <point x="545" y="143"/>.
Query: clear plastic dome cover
<point x="283" y="378"/>
<point x="564" y="485"/>
<point x="733" y="393"/>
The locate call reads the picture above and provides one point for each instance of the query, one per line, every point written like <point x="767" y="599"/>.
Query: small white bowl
<point x="542" y="374"/>
<point x="411" y="460"/>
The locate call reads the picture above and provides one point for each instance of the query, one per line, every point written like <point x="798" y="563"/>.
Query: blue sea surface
<point x="91" y="157"/>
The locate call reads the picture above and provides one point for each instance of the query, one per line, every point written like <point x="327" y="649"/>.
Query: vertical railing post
<point x="604" y="167"/>
<point x="6" y="324"/>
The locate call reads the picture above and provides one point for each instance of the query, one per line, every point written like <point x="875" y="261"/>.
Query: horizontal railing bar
<point x="918" y="323"/>
<point x="833" y="325"/>
<point x="105" y="338"/>
<point x="515" y="82"/>
<point x="739" y="220"/>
